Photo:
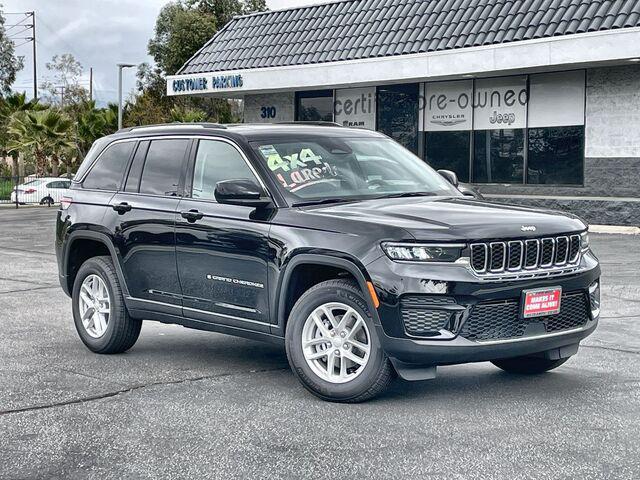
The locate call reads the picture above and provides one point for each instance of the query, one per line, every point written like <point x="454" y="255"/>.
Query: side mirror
<point x="241" y="192"/>
<point x="450" y="176"/>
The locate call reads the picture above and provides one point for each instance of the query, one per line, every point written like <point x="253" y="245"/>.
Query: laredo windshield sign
<point x="205" y="84"/>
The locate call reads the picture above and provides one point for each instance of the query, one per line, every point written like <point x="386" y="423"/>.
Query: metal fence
<point x="33" y="190"/>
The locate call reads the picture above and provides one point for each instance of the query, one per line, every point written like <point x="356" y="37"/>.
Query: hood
<point x="455" y="219"/>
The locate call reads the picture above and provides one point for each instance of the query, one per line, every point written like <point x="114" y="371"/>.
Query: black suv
<point x="338" y="243"/>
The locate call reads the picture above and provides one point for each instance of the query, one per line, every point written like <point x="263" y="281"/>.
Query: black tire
<point x="528" y="365"/>
<point x="378" y="372"/>
<point x="122" y="331"/>
<point x="48" y="201"/>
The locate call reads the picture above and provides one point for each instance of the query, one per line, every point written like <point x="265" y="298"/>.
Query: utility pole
<point x="26" y="39"/>
<point x="90" y="83"/>
<point x="35" y="57"/>
<point x="120" y="67"/>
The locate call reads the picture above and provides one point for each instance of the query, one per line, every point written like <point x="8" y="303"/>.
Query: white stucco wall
<point x="279" y="104"/>
<point x="613" y="112"/>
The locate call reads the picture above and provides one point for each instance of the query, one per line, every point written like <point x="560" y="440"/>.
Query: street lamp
<point x="120" y="67"/>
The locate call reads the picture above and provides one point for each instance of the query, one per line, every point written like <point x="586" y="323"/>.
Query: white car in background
<point x="43" y="191"/>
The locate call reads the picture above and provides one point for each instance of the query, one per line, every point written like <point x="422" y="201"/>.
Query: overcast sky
<point x="99" y="33"/>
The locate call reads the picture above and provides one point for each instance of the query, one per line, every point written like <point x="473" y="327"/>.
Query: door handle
<point x="122" y="208"/>
<point x="192" y="215"/>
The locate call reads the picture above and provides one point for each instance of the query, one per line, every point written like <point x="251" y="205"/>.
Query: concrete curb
<point x="614" y="229"/>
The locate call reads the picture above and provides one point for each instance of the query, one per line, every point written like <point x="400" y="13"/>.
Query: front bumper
<point x="463" y="292"/>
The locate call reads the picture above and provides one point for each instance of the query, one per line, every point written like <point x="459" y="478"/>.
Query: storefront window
<point x="556" y="156"/>
<point x="449" y="151"/>
<point x="398" y="113"/>
<point x="314" y="106"/>
<point x="498" y="156"/>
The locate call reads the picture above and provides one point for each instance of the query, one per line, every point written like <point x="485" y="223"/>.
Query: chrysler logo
<point x="528" y="228"/>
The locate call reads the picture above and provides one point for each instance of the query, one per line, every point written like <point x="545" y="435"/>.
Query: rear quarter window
<point x="107" y="172"/>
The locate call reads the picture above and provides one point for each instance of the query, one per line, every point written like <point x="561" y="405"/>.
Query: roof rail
<point x="304" y="122"/>
<point x="172" y="125"/>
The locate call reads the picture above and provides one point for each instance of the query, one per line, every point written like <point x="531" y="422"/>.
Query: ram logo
<point x="528" y="228"/>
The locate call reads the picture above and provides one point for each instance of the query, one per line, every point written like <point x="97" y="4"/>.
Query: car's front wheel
<point x="99" y="312"/>
<point x="528" y="365"/>
<point x="332" y="344"/>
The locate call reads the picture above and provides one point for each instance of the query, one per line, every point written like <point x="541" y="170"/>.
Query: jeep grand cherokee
<point x="338" y="243"/>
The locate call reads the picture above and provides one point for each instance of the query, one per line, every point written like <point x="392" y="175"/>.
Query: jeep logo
<point x="528" y="228"/>
<point x="507" y="118"/>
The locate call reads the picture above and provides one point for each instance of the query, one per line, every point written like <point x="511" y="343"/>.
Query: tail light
<point x="30" y="190"/>
<point x="65" y="202"/>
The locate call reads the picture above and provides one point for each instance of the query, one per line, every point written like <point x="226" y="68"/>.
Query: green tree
<point x="44" y="134"/>
<point x="10" y="65"/>
<point x="188" y="115"/>
<point x="184" y="26"/>
<point x="66" y="73"/>
<point x="179" y="32"/>
<point x="91" y="124"/>
<point x="9" y="106"/>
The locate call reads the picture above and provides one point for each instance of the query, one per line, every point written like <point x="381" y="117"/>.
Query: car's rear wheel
<point x="332" y="344"/>
<point x="48" y="201"/>
<point x="99" y="312"/>
<point x="528" y="365"/>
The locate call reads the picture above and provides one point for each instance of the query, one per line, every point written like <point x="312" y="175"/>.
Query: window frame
<point x="525" y="184"/>
<point x="190" y="170"/>
<point x="323" y="93"/>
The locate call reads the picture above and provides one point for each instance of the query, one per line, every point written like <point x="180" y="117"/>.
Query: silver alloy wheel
<point x="336" y="342"/>
<point x="94" y="305"/>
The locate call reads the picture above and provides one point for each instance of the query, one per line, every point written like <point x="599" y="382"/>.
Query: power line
<point x="32" y="26"/>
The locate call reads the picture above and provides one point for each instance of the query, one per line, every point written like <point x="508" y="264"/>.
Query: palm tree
<point x="9" y="106"/>
<point x="93" y="123"/>
<point x="44" y="133"/>
<point x="188" y="115"/>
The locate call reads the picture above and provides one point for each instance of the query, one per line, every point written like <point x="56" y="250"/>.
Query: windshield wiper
<point x="408" y="194"/>
<point x="324" y="201"/>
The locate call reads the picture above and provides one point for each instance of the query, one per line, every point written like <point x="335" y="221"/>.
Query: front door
<point x="221" y="249"/>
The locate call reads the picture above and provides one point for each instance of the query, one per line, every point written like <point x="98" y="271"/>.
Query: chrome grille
<point x="523" y="255"/>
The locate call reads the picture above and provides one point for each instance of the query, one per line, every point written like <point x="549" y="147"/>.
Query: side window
<point x="53" y="185"/>
<point x="135" y="171"/>
<point x="217" y="161"/>
<point x="163" y="166"/>
<point x="107" y="172"/>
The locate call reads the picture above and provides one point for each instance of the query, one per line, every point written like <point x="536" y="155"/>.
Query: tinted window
<point x="135" y="171"/>
<point x="315" y="106"/>
<point x="556" y="156"/>
<point x="59" y="184"/>
<point x="107" y="172"/>
<point x="449" y="151"/>
<point x="498" y="156"/>
<point x="398" y="113"/>
<point x="163" y="166"/>
<point x="215" y="162"/>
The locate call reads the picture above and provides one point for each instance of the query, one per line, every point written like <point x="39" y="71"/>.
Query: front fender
<point x="328" y="258"/>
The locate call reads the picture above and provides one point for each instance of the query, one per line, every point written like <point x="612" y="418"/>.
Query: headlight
<point x="422" y="252"/>
<point x="584" y="241"/>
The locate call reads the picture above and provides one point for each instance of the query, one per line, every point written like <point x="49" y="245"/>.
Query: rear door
<point x="222" y="256"/>
<point x="143" y="220"/>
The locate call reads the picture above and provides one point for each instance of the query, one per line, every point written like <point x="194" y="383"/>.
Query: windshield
<point x="322" y="169"/>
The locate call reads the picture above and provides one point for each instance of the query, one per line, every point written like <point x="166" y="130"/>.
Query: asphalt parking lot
<point x="188" y="404"/>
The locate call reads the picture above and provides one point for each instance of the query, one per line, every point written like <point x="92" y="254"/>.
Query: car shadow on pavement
<point x="494" y="387"/>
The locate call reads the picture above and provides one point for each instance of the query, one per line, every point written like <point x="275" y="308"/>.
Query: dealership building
<point x="536" y="102"/>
